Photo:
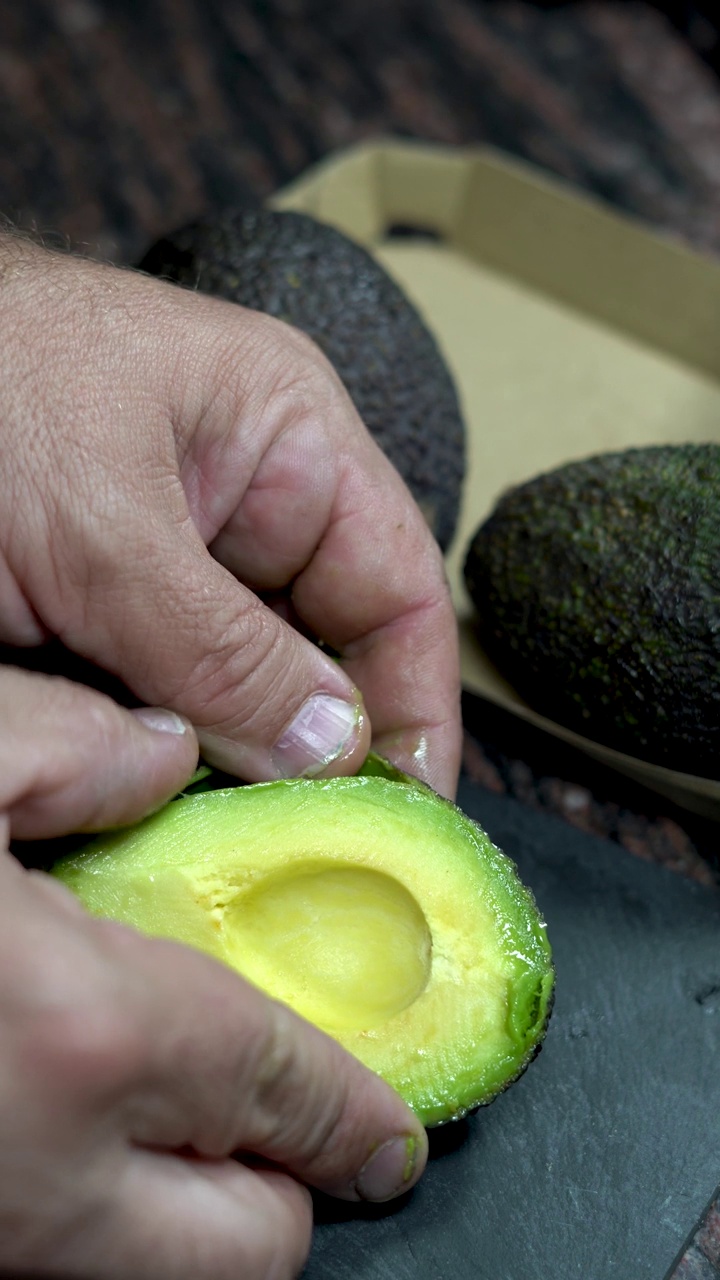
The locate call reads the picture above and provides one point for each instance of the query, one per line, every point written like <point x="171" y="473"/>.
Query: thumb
<point x="266" y="703"/>
<point x="71" y="759"/>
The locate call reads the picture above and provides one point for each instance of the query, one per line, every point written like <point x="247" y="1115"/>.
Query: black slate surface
<point x="595" y="1165"/>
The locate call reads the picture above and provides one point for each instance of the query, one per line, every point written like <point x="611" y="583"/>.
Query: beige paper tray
<point x="569" y="330"/>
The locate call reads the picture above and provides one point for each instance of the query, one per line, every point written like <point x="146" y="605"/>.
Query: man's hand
<point x="141" y="425"/>
<point x="132" y="1069"/>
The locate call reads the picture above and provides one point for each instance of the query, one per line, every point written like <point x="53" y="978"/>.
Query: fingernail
<point x="389" y="1170"/>
<point x="320" y="732"/>
<point x="160" y="720"/>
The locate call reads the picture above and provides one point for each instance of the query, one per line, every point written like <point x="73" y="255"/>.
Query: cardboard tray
<point x="569" y="329"/>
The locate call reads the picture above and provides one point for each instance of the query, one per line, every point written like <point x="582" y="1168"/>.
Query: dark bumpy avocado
<point x="370" y="905"/>
<point x="307" y="273"/>
<point x="597" y="588"/>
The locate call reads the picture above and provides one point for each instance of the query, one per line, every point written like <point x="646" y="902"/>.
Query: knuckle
<point x="297" y="1106"/>
<point x="276" y="340"/>
<point x="296" y="378"/>
<point x="241" y="657"/>
<point x="102" y="1046"/>
<point x="85" y="1049"/>
<point x="274" y="1070"/>
<point x="310" y="358"/>
<point x="276" y="1055"/>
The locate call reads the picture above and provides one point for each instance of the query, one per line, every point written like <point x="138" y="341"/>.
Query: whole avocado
<point x="597" y="589"/>
<point x="307" y="273"/>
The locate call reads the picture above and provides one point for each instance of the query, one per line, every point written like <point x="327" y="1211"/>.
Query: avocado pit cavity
<point x="346" y="947"/>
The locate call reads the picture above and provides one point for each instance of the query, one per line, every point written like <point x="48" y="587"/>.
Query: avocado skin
<point x="597" y="589"/>
<point x="307" y="273"/>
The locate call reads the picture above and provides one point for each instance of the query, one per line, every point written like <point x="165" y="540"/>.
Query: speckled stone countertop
<point x="120" y="121"/>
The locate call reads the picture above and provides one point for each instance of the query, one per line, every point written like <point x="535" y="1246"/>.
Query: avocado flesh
<point x="375" y="909"/>
<point x="597" y="592"/>
<point x="307" y="273"/>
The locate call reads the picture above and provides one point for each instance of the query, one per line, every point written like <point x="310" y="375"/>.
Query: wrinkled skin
<point x="139" y="426"/>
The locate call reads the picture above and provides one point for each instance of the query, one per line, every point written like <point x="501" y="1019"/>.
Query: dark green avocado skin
<point x="305" y="272"/>
<point x="597" y="591"/>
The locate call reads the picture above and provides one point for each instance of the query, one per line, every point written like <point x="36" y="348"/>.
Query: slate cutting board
<point x="598" y="1163"/>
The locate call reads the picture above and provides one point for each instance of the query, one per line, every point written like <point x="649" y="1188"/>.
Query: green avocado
<point x="307" y="273"/>
<point x="370" y="905"/>
<point x="597" y="591"/>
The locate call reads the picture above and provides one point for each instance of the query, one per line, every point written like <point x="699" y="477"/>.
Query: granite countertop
<point x="119" y="122"/>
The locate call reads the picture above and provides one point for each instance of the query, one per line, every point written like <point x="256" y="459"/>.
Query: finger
<point x="265" y="702"/>
<point x="177" y="1219"/>
<point x="328" y="514"/>
<point x="236" y="1071"/>
<point x="393" y="623"/>
<point x="72" y="760"/>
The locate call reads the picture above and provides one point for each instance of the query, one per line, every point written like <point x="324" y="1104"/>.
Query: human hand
<point x="142" y="424"/>
<point x="132" y="1069"/>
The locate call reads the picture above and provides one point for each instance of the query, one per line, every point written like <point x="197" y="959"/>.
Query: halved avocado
<point x="370" y="905"/>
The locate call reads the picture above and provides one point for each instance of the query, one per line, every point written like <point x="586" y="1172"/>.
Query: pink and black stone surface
<point x="120" y="121"/>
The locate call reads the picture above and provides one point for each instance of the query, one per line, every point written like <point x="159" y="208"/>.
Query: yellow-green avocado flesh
<point x="371" y="906"/>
